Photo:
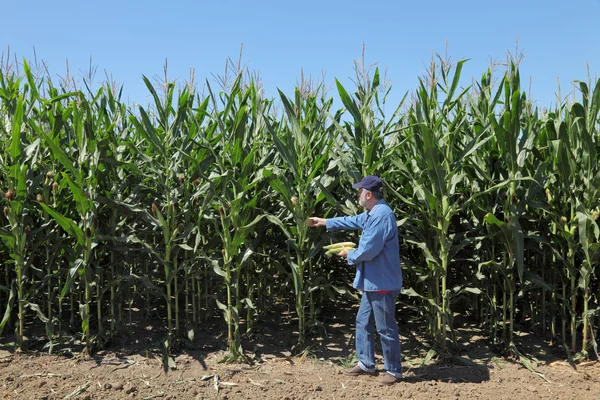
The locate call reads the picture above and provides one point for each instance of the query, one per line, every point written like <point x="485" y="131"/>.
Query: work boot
<point x="356" y="371"/>
<point x="388" y="379"/>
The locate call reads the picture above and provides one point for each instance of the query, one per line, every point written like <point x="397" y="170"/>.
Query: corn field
<point x="196" y="205"/>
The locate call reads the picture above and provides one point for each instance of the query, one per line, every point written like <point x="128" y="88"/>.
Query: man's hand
<point x="316" y="221"/>
<point x="344" y="252"/>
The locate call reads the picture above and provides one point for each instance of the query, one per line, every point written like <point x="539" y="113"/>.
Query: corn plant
<point x="584" y="127"/>
<point x="82" y="167"/>
<point x="114" y="189"/>
<point x="27" y="180"/>
<point x="485" y="172"/>
<point x="574" y="200"/>
<point x="162" y="173"/>
<point x="442" y="145"/>
<point x="239" y="122"/>
<point x="17" y="168"/>
<point x="366" y="144"/>
<point x="303" y="185"/>
<point x="515" y="134"/>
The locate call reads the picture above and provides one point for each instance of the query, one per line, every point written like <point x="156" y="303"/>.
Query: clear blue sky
<point x="131" y="38"/>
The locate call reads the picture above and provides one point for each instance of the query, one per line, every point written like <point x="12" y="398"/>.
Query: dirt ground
<point x="134" y="369"/>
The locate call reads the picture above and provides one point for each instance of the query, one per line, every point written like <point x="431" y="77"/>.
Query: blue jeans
<point x="378" y="310"/>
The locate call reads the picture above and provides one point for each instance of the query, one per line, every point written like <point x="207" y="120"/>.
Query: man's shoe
<point x="356" y="371"/>
<point x="388" y="379"/>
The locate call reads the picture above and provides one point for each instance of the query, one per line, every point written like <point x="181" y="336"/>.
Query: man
<point x="378" y="275"/>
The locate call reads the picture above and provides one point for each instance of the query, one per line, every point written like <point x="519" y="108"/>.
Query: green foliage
<point x="197" y="204"/>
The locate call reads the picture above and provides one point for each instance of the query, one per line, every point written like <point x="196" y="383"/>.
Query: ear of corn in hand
<point x="337" y="247"/>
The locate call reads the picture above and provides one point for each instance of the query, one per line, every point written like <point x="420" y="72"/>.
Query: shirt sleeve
<point x="371" y="242"/>
<point x="354" y="222"/>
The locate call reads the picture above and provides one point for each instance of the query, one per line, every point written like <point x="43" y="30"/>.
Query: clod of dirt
<point x="131" y="390"/>
<point x="118" y="386"/>
<point x="318" y="388"/>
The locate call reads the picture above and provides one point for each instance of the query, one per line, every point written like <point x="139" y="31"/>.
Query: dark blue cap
<point x="370" y="182"/>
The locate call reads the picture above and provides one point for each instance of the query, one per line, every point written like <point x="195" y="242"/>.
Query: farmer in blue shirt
<point x="378" y="275"/>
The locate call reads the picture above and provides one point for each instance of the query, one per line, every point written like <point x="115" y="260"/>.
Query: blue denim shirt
<point x="377" y="257"/>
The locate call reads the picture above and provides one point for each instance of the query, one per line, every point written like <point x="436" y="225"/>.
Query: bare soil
<point x="133" y="368"/>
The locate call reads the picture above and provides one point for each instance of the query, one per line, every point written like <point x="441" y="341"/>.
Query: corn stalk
<point x="303" y="185"/>
<point x="239" y="124"/>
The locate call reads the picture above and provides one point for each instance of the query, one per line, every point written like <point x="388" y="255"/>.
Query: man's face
<point x="362" y="197"/>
